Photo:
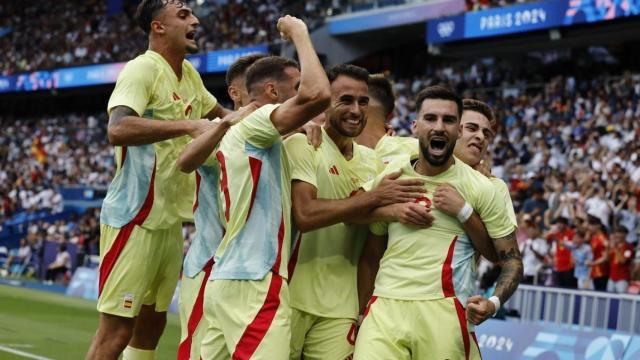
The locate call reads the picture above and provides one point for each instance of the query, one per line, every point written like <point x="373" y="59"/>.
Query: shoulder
<point x="296" y="141"/>
<point x="366" y="153"/>
<point x="472" y="177"/>
<point x="142" y="63"/>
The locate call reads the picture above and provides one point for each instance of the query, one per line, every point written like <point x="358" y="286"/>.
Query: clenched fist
<point x="289" y="26"/>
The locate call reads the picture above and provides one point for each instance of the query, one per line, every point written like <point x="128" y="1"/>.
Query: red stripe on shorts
<point x="255" y="332"/>
<point x="255" y="166"/>
<point x="110" y="258"/>
<point x="462" y="318"/>
<point x="224" y="183"/>
<point x="294" y="257"/>
<point x="447" y="272"/>
<point x="184" y="350"/>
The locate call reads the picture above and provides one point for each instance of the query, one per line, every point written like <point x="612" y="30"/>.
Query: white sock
<point x="131" y="353"/>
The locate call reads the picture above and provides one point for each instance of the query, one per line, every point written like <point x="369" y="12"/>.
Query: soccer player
<point x="374" y="135"/>
<point x="425" y="275"/>
<point x="388" y="148"/>
<point x="158" y="99"/>
<point x="199" y="259"/>
<point x="322" y="269"/>
<point x="246" y="302"/>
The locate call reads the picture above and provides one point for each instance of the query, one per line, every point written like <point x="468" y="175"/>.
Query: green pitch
<point x="55" y="326"/>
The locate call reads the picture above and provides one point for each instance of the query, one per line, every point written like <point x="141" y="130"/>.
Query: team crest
<point x="127" y="302"/>
<point x="424" y="201"/>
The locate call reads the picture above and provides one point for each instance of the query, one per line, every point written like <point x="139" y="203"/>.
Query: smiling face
<point x="476" y="136"/>
<point x="177" y="23"/>
<point x="349" y="104"/>
<point x="437" y="126"/>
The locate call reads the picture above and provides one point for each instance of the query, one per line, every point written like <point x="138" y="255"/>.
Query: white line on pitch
<point x="23" y="354"/>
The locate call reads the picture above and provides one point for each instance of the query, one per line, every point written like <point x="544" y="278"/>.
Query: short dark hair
<point x="562" y="220"/>
<point x="481" y="108"/>
<point x="148" y="9"/>
<point x="380" y="89"/>
<point x="269" y="67"/>
<point x="438" y="92"/>
<point x="240" y="66"/>
<point x="350" y="70"/>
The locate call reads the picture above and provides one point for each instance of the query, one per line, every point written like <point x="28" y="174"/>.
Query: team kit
<point x="319" y="235"/>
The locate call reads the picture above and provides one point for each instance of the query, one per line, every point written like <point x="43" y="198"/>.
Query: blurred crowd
<point x="48" y="34"/>
<point x="569" y="151"/>
<point x="38" y="156"/>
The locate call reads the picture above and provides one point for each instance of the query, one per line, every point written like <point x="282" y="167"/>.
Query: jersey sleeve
<point x="489" y="204"/>
<point x="302" y="159"/>
<point x="258" y="129"/>
<point x="503" y="191"/>
<point x="134" y="86"/>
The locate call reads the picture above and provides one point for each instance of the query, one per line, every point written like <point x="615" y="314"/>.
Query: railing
<point x="578" y="307"/>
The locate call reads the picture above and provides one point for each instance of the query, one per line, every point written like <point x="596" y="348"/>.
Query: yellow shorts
<point x="247" y="319"/>
<point x="138" y="266"/>
<point x="416" y="329"/>
<point x="190" y="304"/>
<point x="321" y="338"/>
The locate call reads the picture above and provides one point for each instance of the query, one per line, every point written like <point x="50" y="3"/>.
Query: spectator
<point x="19" y="255"/>
<point x="561" y="237"/>
<point x="620" y="257"/>
<point x="536" y="206"/>
<point x="583" y="256"/>
<point x="60" y="265"/>
<point x="628" y="216"/>
<point x="534" y="251"/>
<point x="600" y="248"/>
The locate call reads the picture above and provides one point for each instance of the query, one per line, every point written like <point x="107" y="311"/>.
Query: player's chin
<point x="192" y="49"/>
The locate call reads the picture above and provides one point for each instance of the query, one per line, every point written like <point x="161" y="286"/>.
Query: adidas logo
<point x="334" y="170"/>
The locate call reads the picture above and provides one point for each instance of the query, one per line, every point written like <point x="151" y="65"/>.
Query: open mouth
<point x="191" y="35"/>
<point x="437" y="146"/>
<point x="353" y="121"/>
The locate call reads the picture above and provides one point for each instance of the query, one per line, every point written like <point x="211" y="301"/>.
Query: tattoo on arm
<point x="119" y="112"/>
<point x="512" y="269"/>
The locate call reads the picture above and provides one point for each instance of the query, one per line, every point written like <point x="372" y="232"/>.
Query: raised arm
<point x="314" y="94"/>
<point x="127" y="128"/>
<point x="197" y="151"/>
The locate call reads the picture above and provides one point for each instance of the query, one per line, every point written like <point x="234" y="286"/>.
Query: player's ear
<point x="413" y="127"/>
<point x="157" y="27"/>
<point x="234" y="93"/>
<point x="271" y="91"/>
<point x="460" y="130"/>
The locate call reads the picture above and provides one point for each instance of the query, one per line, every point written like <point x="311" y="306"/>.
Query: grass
<point x="58" y="327"/>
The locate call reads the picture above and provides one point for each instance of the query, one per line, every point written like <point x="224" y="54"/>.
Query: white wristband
<point x="465" y="213"/>
<point x="496" y="302"/>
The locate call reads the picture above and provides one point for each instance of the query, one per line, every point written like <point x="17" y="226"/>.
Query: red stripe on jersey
<point x="110" y="258"/>
<point x="184" y="350"/>
<point x="462" y="318"/>
<point x="255" y="332"/>
<point x="255" y="166"/>
<point x="475" y="340"/>
<point x="198" y="179"/>
<point x="294" y="257"/>
<point x="447" y="272"/>
<point x="276" y="264"/>
<point x="224" y="184"/>
<point x="366" y="309"/>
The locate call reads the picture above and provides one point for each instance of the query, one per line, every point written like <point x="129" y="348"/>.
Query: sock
<point x="131" y="353"/>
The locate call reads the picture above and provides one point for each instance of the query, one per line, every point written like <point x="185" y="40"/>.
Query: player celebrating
<point x="149" y="198"/>
<point x="324" y="297"/>
<point x="199" y="259"/>
<point x="425" y="275"/>
<point x="247" y="300"/>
